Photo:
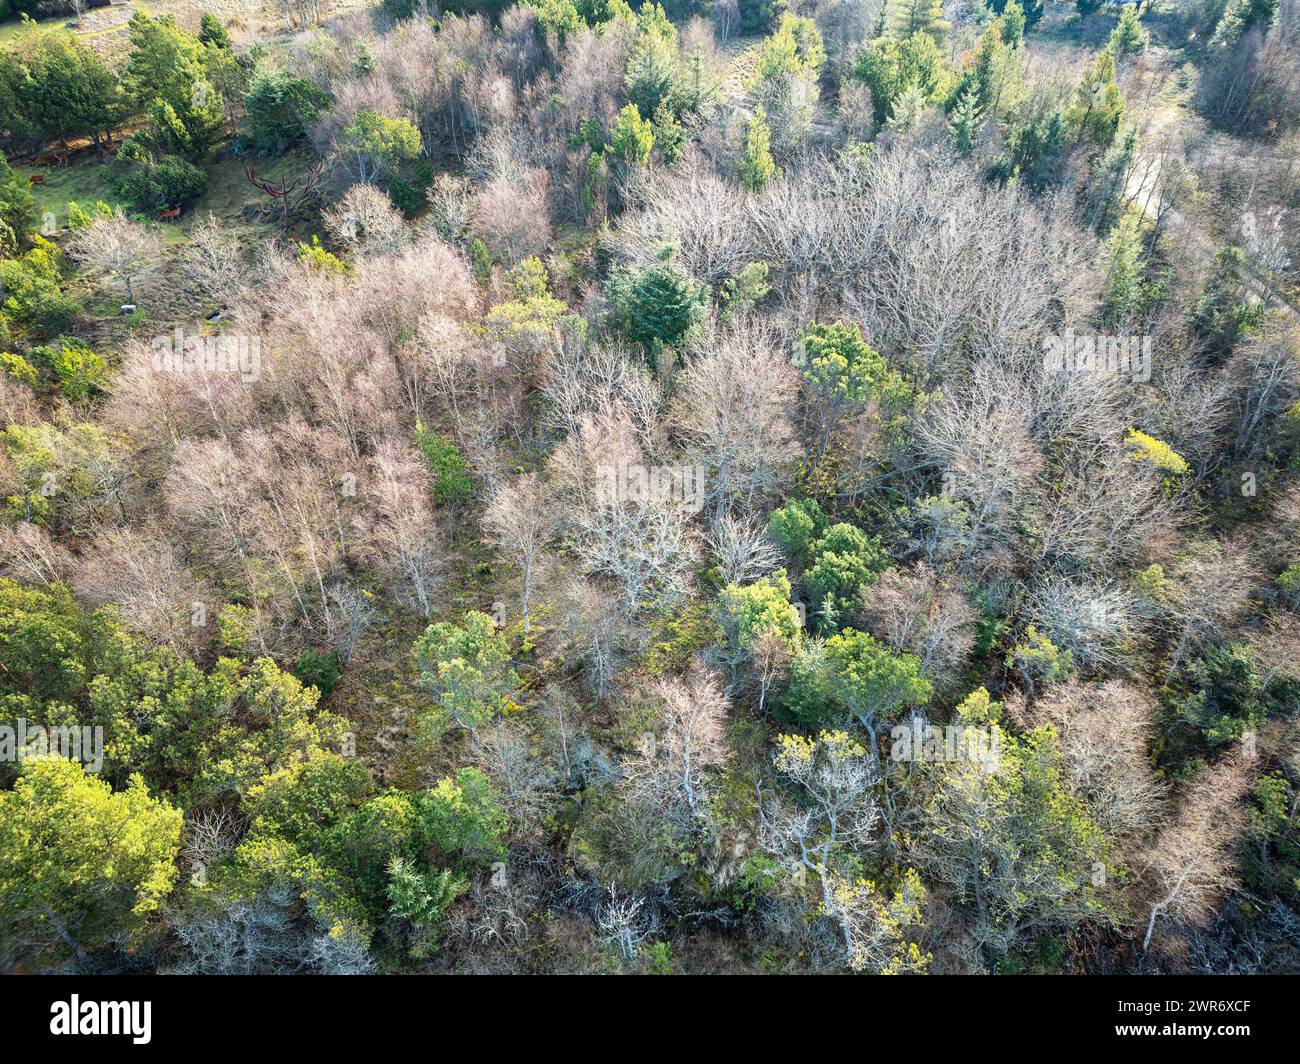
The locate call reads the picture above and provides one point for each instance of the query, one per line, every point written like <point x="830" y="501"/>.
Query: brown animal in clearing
<point x="36" y="179"/>
<point x="175" y="212"/>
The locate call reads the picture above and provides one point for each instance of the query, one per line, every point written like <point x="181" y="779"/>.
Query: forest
<point x="598" y="487"/>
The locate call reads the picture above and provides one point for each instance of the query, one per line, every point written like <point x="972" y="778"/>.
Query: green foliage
<point x="1273" y="864"/>
<point x="852" y="677"/>
<point x="1033" y="10"/>
<point x="212" y="32"/>
<point x="658" y="305"/>
<point x="1039" y="660"/>
<point x="81" y="865"/>
<point x="302" y="800"/>
<point x="872" y="681"/>
<point x="61" y="474"/>
<point x="750" y="612"/>
<point x="168" y="75"/>
<point x="909" y="109"/>
<point x="186" y="731"/>
<point x="1224" y="313"/>
<point x="464" y="818"/>
<point x="1129" y="36"/>
<point x="281" y="109"/>
<point x="669" y="136"/>
<point x="34" y="304"/>
<point x="17" y="207"/>
<point x="1288" y="581"/>
<point x="632" y="138"/>
<point x="452" y="485"/>
<point x="1106" y="192"/>
<point x="796" y="528"/>
<point x="80" y="218"/>
<point x="379" y="144"/>
<point x="1035" y="150"/>
<point x="795" y="48"/>
<point x="903" y="18"/>
<point x="757" y="168"/>
<point x="559" y="20"/>
<point x="1157" y="454"/>
<point x="314" y="255"/>
<point x="1241" y="16"/>
<point x="466" y="667"/>
<point x="529" y="322"/>
<point x="1225" y="694"/>
<point x="320" y="669"/>
<point x="738" y="294"/>
<point x="1124" y="294"/>
<point x="842" y="369"/>
<point x="47" y="644"/>
<point x="652" y="75"/>
<point x="1097" y="107"/>
<point x="65" y="90"/>
<point x="78" y="371"/>
<point x="481" y="262"/>
<point x="356" y="857"/>
<point x="1018" y="848"/>
<point x="845" y="562"/>
<point x="19" y="369"/>
<point x="759" y="16"/>
<point x="422" y="899"/>
<point x="410" y="196"/>
<point x="889" y="67"/>
<point x="152" y="183"/>
<point x="995" y="70"/>
<point x="966" y="122"/>
<point x="1012" y="24"/>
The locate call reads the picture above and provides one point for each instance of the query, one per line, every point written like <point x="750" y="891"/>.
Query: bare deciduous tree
<point x="913" y="610"/>
<point x="365" y="221"/>
<point x="1191" y="862"/>
<point x="155" y="594"/>
<point x="734" y="414"/>
<point x="117" y="245"/>
<point x="519" y="521"/>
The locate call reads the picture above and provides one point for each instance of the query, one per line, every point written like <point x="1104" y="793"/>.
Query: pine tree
<point x="908" y="109"/>
<point x="652" y="74"/>
<point x="632" y="137"/>
<point x="1098" y="104"/>
<point x="658" y="306"/>
<point x="1241" y="16"/>
<point x="668" y="133"/>
<point x="1012" y="24"/>
<point x="902" y="18"/>
<point x="757" y="167"/>
<point x="967" y="120"/>
<point x="1123" y="289"/>
<point x="1129" y="37"/>
<point x="212" y="32"/>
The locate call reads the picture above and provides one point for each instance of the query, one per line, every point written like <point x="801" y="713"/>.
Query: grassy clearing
<point x="235" y="201"/>
<point x="83" y="181"/>
<point x="229" y="196"/>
